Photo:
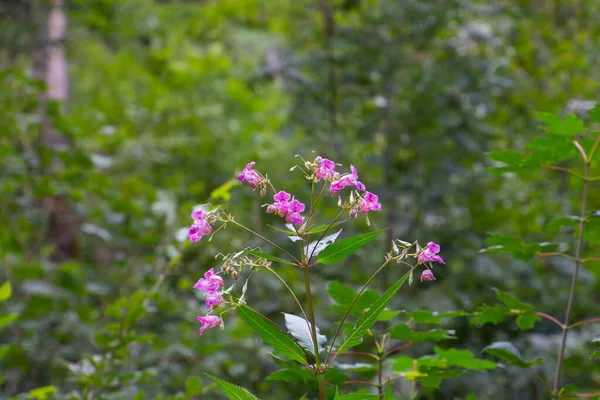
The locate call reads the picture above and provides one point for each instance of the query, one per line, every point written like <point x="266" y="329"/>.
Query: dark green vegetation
<point x="168" y="101"/>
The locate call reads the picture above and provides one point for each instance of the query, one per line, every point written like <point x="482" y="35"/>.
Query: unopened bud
<point x="427" y="275"/>
<point x="234" y="274"/>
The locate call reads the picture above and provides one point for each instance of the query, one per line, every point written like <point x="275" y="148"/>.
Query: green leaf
<point x="287" y="375"/>
<point x="336" y="252"/>
<point x="366" y="321"/>
<point x="5" y="291"/>
<point x="554" y="125"/>
<point x="193" y="386"/>
<point x="256" y="253"/>
<point x="571" y="221"/>
<point x="595" y="354"/>
<point x="516" y="247"/>
<point x="463" y="359"/>
<point x="356" y="396"/>
<point x="341" y="293"/>
<point x="404" y="332"/>
<point x="273" y="335"/>
<point x="508" y="353"/>
<point x="490" y="314"/>
<point x="433" y="317"/>
<point x="233" y="392"/>
<point x="389" y="394"/>
<point x="513" y="304"/>
<point x="527" y="321"/>
<point x="42" y="393"/>
<point x="7" y="319"/>
<point x="594" y="113"/>
<point x="300" y="329"/>
<point x="4" y="349"/>
<point x="402" y="363"/>
<point x="287" y="232"/>
<point x="509" y="157"/>
<point x="568" y="390"/>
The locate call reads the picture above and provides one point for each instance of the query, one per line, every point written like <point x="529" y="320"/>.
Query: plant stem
<point x="380" y="374"/>
<point x="313" y="332"/>
<point x="289" y="290"/>
<point x="578" y="251"/>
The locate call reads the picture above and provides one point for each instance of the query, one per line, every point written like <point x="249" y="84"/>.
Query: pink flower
<point x="353" y="213"/>
<point x="213" y="299"/>
<point x="326" y="170"/>
<point x="347" y="180"/>
<point x="208" y="322"/>
<point x="249" y="175"/>
<point x="289" y="209"/>
<point x="370" y="203"/>
<point x="210" y="283"/>
<point x="200" y="227"/>
<point x="427" y="275"/>
<point x="429" y="253"/>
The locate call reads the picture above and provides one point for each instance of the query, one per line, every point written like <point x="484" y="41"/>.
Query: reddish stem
<point x="396" y="349"/>
<point x="550" y="318"/>
<point x="585" y="321"/>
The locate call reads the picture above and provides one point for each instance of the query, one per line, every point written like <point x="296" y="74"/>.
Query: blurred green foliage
<point x="170" y="99"/>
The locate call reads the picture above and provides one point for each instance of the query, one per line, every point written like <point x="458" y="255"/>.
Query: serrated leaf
<point x="513" y="304"/>
<point x="300" y="329"/>
<point x="555" y="125"/>
<point x="433" y="317"/>
<point x="7" y="319"/>
<point x="315" y="248"/>
<point x="233" y="392"/>
<point x="342" y="249"/>
<point x="260" y="254"/>
<point x="273" y="335"/>
<point x="366" y="321"/>
<point x="404" y="332"/>
<point x="508" y="353"/>
<point x="5" y="291"/>
<point x="528" y="320"/>
<point x="490" y="314"/>
<point x="464" y="359"/>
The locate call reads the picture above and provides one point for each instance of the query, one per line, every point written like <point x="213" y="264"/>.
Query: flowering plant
<point x="302" y="343"/>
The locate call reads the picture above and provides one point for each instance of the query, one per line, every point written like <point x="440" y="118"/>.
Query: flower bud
<point x="427" y="275"/>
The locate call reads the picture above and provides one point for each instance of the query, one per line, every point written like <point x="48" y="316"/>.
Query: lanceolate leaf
<point x="273" y="335"/>
<point x="389" y="394"/>
<point x="233" y="392"/>
<point x="300" y="329"/>
<point x="336" y="252"/>
<point x="316" y="247"/>
<point x="256" y="253"/>
<point x="366" y="321"/>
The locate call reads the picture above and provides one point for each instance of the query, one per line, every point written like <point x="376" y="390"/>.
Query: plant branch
<point x="265" y="239"/>
<point x="289" y="290"/>
<point x="550" y="318"/>
<point x="578" y="252"/>
<point x="397" y="349"/>
<point x="323" y="235"/>
<point x="542" y="381"/>
<point x="555" y="253"/>
<point x="313" y="332"/>
<point x="339" y="328"/>
<point x="555" y="168"/>
<point x="584" y="322"/>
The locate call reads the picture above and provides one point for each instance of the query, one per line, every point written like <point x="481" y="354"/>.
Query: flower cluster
<point x="427" y="254"/>
<point x="249" y="175"/>
<point x="286" y="206"/>
<point x="210" y="284"/>
<point x="200" y="227"/>
<point x="346" y="180"/>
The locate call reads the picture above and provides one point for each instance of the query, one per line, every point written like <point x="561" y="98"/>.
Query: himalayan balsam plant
<point x="305" y="354"/>
<point x="567" y="142"/>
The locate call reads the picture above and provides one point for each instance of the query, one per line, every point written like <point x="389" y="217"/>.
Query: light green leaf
<point x="490" y="314"/>
<point x="233" y="392"/>
<point x="193" y="386"/>
<point x="594" y="113"/>
<point x="260" y="254"/>
<point x="5" y="291"/>
<point x="527" y="321"/>
<point x="509" y="157"/>
<point x="404" y="332"/>
<point x="463" y="359"/>
<point x="7" y="319"/>
<point x="336" y="252"/>
<point x="555" y="125"/>
<point x="389" y="394"/>
<point x="42" y="393"/>
<point x="508" y="353"/>
<point x="273" y="335"/>
<point x="402" y="363"/>
<point x="366" y="321"/>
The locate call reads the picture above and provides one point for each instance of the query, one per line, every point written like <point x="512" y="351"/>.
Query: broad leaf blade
<point x="366" y="321"/>
<point x="260" y="254"/>
<point x="273" y="335"/>
<point x="233" y="392"/>
<point x="342" y="249"/>
<point x="508" y="353"/>
<point x="300" y="329"/>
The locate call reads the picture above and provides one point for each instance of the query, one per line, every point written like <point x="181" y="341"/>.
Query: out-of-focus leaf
<point x="433" y="317"/>
<point x="490" y="314"/>
<point x="7" y="319"/>
<point x="464" y="359"/>
<point x="267" y="256"/>
<point x="5" y="291"/>
<point x="193" y="386"/>
<point x="508" y="353"/>
<point x="555" y="125"/>
<point x="404" y="332"/>
<point x="42" y="393"/>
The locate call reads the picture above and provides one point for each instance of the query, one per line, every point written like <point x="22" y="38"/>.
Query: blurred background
<point x="117" y="117"/>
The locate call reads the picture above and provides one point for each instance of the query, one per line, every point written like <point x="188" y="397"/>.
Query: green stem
<point x="339" y="328"/>
<point x="323" y="234"/>
<point x="289" y="290"/>
<point x="578" y="251"/>
<point x="314" y="206"/>
<point x="265" y="239"/>
<point x="313" y="332"/>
